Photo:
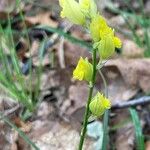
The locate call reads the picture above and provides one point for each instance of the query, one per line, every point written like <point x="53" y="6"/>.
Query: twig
<point x="140" y="101"/>
<point x="61" y="48"/>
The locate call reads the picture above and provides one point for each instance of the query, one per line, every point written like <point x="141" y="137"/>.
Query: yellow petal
<point x="96" y="107"/>
<point x="83" y="70"/>
<point x="88" y="7"/>
<point x="106" y="103"/>
<point x="61" y="2"/>
<point x="106" y="47"/>
<point x="99" y="104"/>
<point x="72" y="11"/>
<point x="117" y="42"/>
<point x="78" y="75"/>
<point x="98" y="23"/>
<point x="84" y="4"/>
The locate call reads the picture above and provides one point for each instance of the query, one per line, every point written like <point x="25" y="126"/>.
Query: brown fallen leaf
<point x="125" y="138"/>
<point x="73" y="53"/>
<point x="41" y="19"/>
<point x="131" y="49"/>
<point x="124" y="135"/>
<point x="117" y="21"/>
<point x="10" y="7"/>
<point x="148" y="145"/>
<point x="6" y="6"/>
<point x="135" y="72"/>
<point x="4" y="143"/>
<point x="66" y="138"/>
<point x="77" y="96"/>
<point x="118" y="90"/>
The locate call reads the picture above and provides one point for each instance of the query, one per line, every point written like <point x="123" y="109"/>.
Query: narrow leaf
<point x="138" y="129"/>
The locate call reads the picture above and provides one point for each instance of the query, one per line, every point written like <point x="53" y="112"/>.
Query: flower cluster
<point x="83" y="70"/>
<point x="84" y="12"/>
<point x="99" y="104"/>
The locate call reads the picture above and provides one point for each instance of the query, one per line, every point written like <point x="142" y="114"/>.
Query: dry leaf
<point x="124" y="137"/>
<point x="7" y="6"/>
<point x="41" y="19"/>
<point x="66" y="139"/>
<point x="77" y="98"/>
<point x="131" y="49"/>
<point x="148" y="145"/>
<point x="135" y="72"/>
<point x="115" y="83"/>
<point x="117" y="21"/>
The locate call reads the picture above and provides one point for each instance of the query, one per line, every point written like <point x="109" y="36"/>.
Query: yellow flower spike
<point x="98" y="23"/>
<point x="108" y="42"/>
<point x="103" y="36"/>
<point x="99" y="104"/>
<point x="88" y="7"/>
<point x="71" y="10"/>
<point x="83" y="70"/>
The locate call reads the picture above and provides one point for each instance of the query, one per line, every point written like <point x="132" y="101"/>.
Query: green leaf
<point x="105" y="131"/>
<point x="138" y="129"/>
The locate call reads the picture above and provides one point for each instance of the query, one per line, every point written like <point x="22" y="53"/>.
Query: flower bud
<point x="71" y="10"/>
<point x="88" y="7"/>
<point x="103" y="36"/>
<point x="83" y="70"/>
<point x="97" y="23"/>
<point x="108" y="43"/>
<point x="99" y="104"/>
<point x="106" y="47"/>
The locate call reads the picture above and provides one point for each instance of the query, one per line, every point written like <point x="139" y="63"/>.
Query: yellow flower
<point x="108" y="42"/>
<point x="104" y="37"/>
<point x="88" y="7"/>
<point x="99" y="104"/>
<point x="71" y="10"/>
<point x="83" y="70"/>
<point x="97" y="23"/>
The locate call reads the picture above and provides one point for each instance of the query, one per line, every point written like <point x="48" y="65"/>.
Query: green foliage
<point x="11" y="78"/>
<point x="105" y="139"/>
<point x="138" y="129"/>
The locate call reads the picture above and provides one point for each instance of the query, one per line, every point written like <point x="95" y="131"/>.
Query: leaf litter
<point x="63" y="99"/>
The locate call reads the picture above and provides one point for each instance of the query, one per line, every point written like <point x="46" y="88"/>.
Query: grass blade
<point x="138" y="129"/>
<point x="105" y="140"/>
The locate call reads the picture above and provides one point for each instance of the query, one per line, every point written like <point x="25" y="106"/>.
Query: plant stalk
<point x="106" y="117"/>
<point x="87" y="112"/>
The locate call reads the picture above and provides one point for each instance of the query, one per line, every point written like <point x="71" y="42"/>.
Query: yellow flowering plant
<point x="72" y="10"/>
<point x="99" y="104"/>
<point x="84" y="12"/>
<point x="84" y="70"/>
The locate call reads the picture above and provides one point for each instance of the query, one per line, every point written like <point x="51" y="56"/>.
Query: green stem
<point x="106" y="116"/>
<point x="105" y="130"/>
<point x="87" y="112"/>
<point x="105" y="83"/>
